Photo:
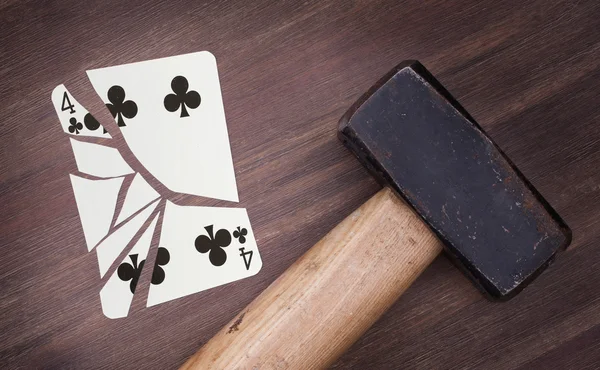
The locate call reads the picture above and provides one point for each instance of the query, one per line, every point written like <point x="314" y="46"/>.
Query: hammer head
<point x="415" y="137"/>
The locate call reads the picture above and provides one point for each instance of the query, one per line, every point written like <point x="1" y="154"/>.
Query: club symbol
<point x="74" y="126"/>
<point x="181" y="97"/>
<point x="90" y="122"/>
<point x="162" y="258"/>
<point x="240" y="234"/>
<point x="131" y="271"/>
<point x="119" y="107"/>
<point x="214" y="244"/>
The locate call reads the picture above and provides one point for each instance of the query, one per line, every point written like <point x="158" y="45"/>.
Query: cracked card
<point x="74" y="118"/>
<point x="171" y="114"/>
<point x="206" y="247"/>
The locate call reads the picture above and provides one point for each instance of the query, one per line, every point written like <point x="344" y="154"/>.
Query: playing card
<point x="96" y="201"/>
<point x="117" y="293"/>
<point x="200" y="248"/>
<point x="139" y="194"/>
<point x="109" y="249"/>
<point x="99" y="160"/>
<point x="171" y="114"/>
<point x="74" y="118"/>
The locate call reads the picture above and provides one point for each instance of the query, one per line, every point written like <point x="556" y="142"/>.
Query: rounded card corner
<point x="57" y="90"/>
<point x="209" y="54"/>
<point x="260" y="265"/>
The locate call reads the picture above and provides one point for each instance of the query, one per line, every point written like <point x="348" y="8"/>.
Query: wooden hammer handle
<point x="328" y="298"/>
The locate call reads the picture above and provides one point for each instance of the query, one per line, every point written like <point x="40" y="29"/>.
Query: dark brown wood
<point x="529" y="73"/>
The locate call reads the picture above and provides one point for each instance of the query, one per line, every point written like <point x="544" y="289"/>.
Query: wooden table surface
<point x="528" y="71"/>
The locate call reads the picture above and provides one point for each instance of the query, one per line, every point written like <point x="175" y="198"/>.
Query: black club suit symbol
<point x="74" y="126"/>
<point x="119" y="107"/>
<point x="240" y="234"/>
<point x="162" y="258"/>
<point x="214" y="244"/>
<point x="90" y="122"/>
<point x="181" y="98"/>
<point x="131" y="271"/>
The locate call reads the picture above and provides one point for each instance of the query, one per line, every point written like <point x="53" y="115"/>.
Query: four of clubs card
<point x="74" y="118"/>
<point x="171" y="115"/>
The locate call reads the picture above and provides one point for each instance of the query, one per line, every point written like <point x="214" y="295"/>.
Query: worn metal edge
<point x="348" y="137"/>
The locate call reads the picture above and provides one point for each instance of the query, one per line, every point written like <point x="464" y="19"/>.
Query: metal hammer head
<point x="415" y="137"/>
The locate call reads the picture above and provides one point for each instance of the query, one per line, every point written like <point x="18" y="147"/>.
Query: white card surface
<point x="110" y="248"/>
<point x="191" y="264"/>
<point x="139" y="194"/>
<point x="74" y="118"/>
<point x="99" y="160"/>
<point x="96" y="201"/>
<point x="171" y="114"/>
<point x="117" y="293"/>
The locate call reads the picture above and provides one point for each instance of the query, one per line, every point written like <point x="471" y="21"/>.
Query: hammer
<point x="446" y="186"/>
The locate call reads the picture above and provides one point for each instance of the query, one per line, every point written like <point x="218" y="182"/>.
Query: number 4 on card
<point x="247" y="260"/>
<point x="66" y="104"/>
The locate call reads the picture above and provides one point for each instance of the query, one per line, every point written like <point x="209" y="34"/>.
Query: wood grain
<point x="328" y="298"/>
<point x="527" y="71"/>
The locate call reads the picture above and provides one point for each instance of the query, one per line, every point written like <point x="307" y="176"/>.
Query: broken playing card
<point x="207" y="246"/>
<point x="171" y="114"/>
<point x="74" y="118"/>
<point x="99" y="160"/>
<point x="139" y="194"/>
<point x="96" y="201"/>
<point x="110" y="248"/>
<point x="117" y="293"/>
